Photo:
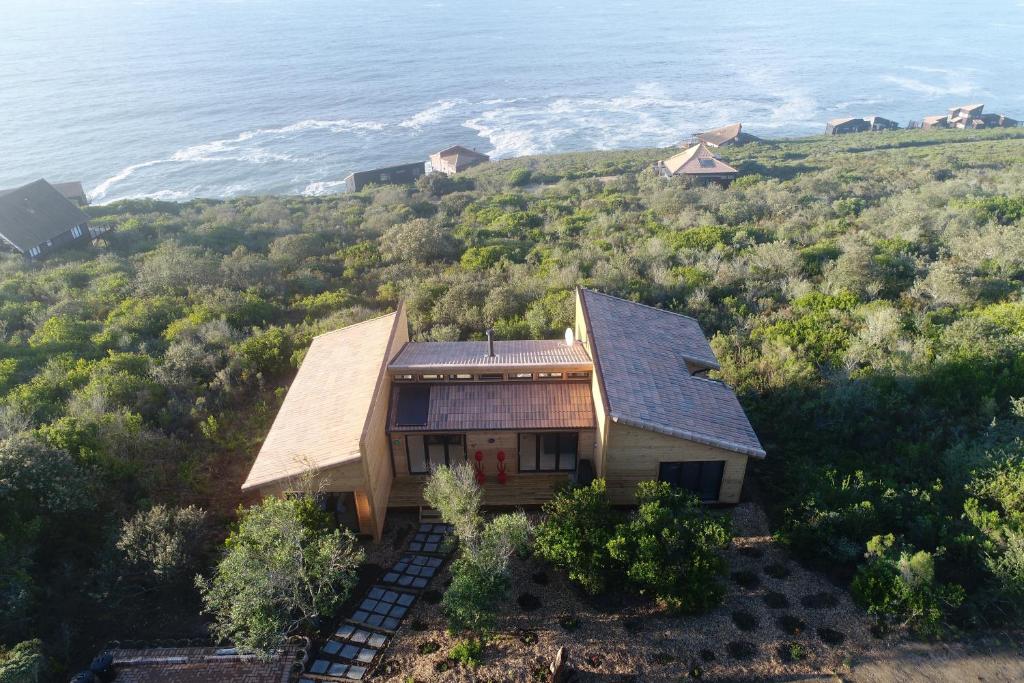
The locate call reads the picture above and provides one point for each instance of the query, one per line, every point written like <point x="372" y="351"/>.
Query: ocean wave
<point x="431" y="114"/>
<point x="954" y="82"/>
<point x="322" y="187"/>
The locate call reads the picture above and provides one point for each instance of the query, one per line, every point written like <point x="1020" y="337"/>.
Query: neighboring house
<point x="391" y="175"/>
<point x="74" y="192"/>
<point x="456" y="159"/>
<point x="877" y="123"/>
<point x="195" y="665"/>
<point x="624" y="397"/>
<point x="846" y="125"/>
<point x="938" y="121"/>
<point x="36" y="218"/>
<point x="726" y="136"/>
<point x="698" y="162"/>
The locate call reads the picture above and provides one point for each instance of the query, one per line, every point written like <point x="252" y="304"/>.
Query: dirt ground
<point x="778" y="622"/>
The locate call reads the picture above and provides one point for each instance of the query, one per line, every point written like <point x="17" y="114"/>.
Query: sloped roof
<point x="474" y="406"/>
<point x="321" y="421"/>
<point x="34" y="213"/>
<point x="641" y="356"/>
<point x="697" y="160"/>
<point x="848" y="119"/>
<point x="970" y="108"/>
<point x="71" y="190"/>
<point x="936" y="118"/>
<point x="459" y="150"/>
<point x="725" y="135"/>
<point x="202" y="665"/>
<point x="447" y="356"/>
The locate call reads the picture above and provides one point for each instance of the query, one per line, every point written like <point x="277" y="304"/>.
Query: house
<point x="456" y="159"/>
<point x="194" y="665"/>
<point x="938" y="121"/>
<point x="698" y="162"/>
<point x="998" y="121"/>
<point x="391" y="175"/>
<point x="877" y="123"/>
<point x="73" y="191"/>
<point x="36" y="218"/>
<point x="625" y="396"/>
<point x="968" y="117"/>
<point x="731" y="135"/>
<point x="846" y="125"/>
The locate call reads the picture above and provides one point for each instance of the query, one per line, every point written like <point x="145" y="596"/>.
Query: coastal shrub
<point x="578" y="525"/>
<point x="468" y="653"/>
<point x="898" y="585"/>
<point x="163" y="542"/>
<point x="284" y="567"/>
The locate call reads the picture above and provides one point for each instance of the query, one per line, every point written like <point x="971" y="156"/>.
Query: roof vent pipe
<point x="490" y="343"/>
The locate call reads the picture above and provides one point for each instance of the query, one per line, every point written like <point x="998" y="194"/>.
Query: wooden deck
<point x="527" y="490"/>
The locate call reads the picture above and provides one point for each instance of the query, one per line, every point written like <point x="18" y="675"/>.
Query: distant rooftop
<point x="697" y="160"/>
<point x="35" y="213"/>
<point x="552" y="353"/>
<point x="203" y="665"/>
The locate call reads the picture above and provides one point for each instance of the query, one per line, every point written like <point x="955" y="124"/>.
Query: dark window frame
<point x="450" y="440"/>
<point x="558" y="452"/>
<point x="703" y="468"/>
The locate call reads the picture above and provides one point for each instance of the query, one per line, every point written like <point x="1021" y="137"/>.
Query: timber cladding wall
<point x="348" y="477"/>
<point x="582" y="333"/>
<point x="633" y="455"/>
<point x="374" y="444"/>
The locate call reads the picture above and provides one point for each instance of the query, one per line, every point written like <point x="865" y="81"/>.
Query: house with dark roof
<point x="699" y="163"/>
<point x="403" y="174"/>
<point x="625" y="396"/>
<point x="36" y="218"/>
<point x="73" y="191"/>
<point x="846" y="125"/>
<point x="726" y="136"/>
<point x="456" y="159"/>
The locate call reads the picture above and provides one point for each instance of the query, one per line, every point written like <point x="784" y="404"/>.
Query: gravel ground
<point x="634" y="640"/>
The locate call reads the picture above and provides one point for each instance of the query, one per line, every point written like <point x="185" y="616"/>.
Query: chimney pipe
<point x="490" y="343"/>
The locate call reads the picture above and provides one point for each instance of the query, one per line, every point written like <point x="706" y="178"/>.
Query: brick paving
<point x="351" y="652"/>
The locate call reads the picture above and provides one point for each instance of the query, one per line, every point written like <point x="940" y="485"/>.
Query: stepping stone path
<point x="349" y="654"/>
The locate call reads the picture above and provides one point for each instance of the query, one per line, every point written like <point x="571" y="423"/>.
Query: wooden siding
<point x="600" y="412"/>
<point x="348" y="477"/>
<point x="633" y="455"/>
<point x="526" y="490"/>
<point x="374" y="446"/>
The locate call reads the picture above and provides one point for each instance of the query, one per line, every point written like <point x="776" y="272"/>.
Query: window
<point x="707" y="163"/>
<point x="578" y="375"/>
<point x="460" y="377"/>
<point x="429" y="451"/>
<point x="549" y="375"/>
<point x="403" y="378"/>
<point x="34" y="251"/>
<point x="548" y="452"/>
<point x="413" y="405"/>
<point x="703" y="477"/>
<point x="431" y="378"/>
<point x="76" y="231"/>
<point x="492" y="377"/>
<point x="521" y="376"/>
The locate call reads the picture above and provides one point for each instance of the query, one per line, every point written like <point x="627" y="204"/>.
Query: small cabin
<point x="877" y="123"/>
<point x="624" y="396"/>
<point x="726" y="136"/>
<point x="847" y="125"/>
<point x="935" y="122"/>
<point x="456" y="159"/>
<point x="36" y="219"/>
<point x="699" y="163"/>
<point x="403" y="174"/>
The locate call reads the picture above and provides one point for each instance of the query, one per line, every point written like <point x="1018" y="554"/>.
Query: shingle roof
<point x="725" y="135"/>
<point x="502" y="405"/>
<point x="445" y="356"/>
<point x="459" y="150"/>
<point x="35" y="213"/>
<point x="697" y="160"/>
<point x="641" y="356"/>
<point x="323" y="415"/>
<point x="203" y="665"/>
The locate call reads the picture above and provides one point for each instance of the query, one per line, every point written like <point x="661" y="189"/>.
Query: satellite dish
<point x="570" y="338"/>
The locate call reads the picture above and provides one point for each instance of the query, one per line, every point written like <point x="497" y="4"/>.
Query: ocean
<point x="176" y="99"/>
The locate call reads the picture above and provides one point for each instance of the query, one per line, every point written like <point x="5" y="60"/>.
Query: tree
<point x="283" y="570"/>
<point x="22" y="663"/>
<point x="163" y="542"/>
<point x="671" y="548"/>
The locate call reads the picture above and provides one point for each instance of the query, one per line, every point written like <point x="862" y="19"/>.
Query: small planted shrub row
<point x="669" y="547"/>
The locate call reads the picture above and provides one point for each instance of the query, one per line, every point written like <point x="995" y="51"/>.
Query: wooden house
<point x="390" y="175"/>
<point x="727" y="136"/>
<point x="456" y="159"/>
<point x="36" y="219"/>
<point x="625" y="396"/>
<point x="937" y="121"/>
<point x="700" y="163"/>
<point x="877" y="123"/>
<point x="846" y="125"/>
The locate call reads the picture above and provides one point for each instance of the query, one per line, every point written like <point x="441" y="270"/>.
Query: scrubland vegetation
<point x="864" y="294"/>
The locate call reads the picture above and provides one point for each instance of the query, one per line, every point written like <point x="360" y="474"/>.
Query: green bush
<point x="898" y="586"/>
<point x="468" y="653"/>
<point x="578" y="525"/>
<point x="671" y="548"/>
